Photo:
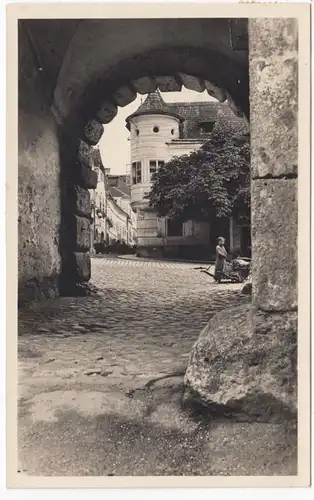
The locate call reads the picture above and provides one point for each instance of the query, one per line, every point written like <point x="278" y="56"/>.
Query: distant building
<point x="113" y="218"/>
<point x="120" y="192"/>
<point x="159" y="131"/>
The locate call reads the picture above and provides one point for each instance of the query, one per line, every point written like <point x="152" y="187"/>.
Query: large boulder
<point x="245" y="363"/>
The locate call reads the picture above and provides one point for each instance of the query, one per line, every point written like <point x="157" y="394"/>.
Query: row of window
<point x="155" y="130"/>
<point x="204" y="128"/>
<point x="137" y="170"/>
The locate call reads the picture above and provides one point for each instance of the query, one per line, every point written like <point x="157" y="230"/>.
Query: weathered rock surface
<point x="245" y="362"/>
<point x="93" y="131"/>
<point x="274" y="244"/>
<point x="274" y="97"/>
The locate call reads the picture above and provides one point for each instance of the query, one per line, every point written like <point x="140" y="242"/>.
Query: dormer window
<point x="206" y="127"/>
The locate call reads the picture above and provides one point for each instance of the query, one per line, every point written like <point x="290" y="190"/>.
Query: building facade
<point x="120" y="193"/>
<point x="113" y="219"/>
<point x="158" y="132"/>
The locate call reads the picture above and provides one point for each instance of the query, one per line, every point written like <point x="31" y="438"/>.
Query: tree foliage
<point x="211" y="182"/>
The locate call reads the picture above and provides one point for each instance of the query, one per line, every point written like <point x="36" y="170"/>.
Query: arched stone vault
<point x="88" y="67"/>
<point x="98" y="47"/>
<point x="106" y="63"/>
<point x="168" y="69"/>
<point x="85" y="69"/>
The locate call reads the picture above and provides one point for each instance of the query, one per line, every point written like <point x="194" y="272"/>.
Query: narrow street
<point x="90" y="398"/>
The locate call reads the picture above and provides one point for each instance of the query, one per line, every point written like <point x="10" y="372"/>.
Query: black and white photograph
<point x="159" y="243"/>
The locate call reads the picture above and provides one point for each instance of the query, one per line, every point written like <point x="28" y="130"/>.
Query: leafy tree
<point x="211" y="182"/>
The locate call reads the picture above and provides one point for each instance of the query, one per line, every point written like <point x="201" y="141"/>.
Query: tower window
<point x="156" y="130"/>
<point x="137" y="132"/>
<point x="136" y="172"/>
<point x="172" y="131"/>
<point x="153" y="167"/>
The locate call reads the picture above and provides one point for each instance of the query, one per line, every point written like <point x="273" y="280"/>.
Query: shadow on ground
<point x="149" y="431"/>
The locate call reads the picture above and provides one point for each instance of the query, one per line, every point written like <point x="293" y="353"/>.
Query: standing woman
<point x="221" y="255"/>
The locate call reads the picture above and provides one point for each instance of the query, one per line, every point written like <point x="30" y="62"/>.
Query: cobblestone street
<point x="84" y="363"/>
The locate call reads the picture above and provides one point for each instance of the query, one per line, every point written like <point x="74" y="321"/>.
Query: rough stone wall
<point x="246" y="357"/>
<point x="38" y="181"/>
<point x="274" y="152"/>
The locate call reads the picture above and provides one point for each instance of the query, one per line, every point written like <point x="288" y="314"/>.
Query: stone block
<point x="144" y="85"/>
<point x="82" y="233"/>
<point x="124" y="96"/>
<point x="245" y="363"/>
<point x="87" y="177"/>
<point x="273" y="96"/>
<point x="192" y="82"/>
<point x="81" y="266"/>
<point x="107" y="112"/>
<point x="274" y="243"/>
<point x="215" y="91"/>
<point x="168" y="84"/>
<point x="82" y="201"/>
<point x="93" y="131"/>
<point x="85" y="154"/>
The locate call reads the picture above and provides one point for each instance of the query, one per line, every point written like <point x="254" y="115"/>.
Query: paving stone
<point x="149" y="315"/>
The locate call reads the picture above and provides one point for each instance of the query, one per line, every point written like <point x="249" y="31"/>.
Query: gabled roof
<point x="190" y="114"/>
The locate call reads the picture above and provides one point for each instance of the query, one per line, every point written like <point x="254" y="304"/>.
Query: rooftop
<point x="191" y="114"/>
<point x="118" y="187"/>
<point x="204" y="111"/>
<point x="153" y="104"/>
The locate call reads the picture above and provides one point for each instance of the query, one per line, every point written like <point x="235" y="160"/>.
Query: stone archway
<point x="67" y="69"/>
<point x="85" y="104"/>
<point x="167" y="69"/>
<point x="273" y="45"/>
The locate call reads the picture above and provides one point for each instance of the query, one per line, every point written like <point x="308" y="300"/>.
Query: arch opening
<point x="167" y="69"/>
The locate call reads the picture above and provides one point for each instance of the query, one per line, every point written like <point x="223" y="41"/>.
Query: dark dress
<point x="221" y="255"/>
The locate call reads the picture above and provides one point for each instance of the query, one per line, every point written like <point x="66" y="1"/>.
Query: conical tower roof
<point x="153" y="105"/>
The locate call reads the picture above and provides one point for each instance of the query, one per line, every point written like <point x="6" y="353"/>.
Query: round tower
<point x="151" y="128"/>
